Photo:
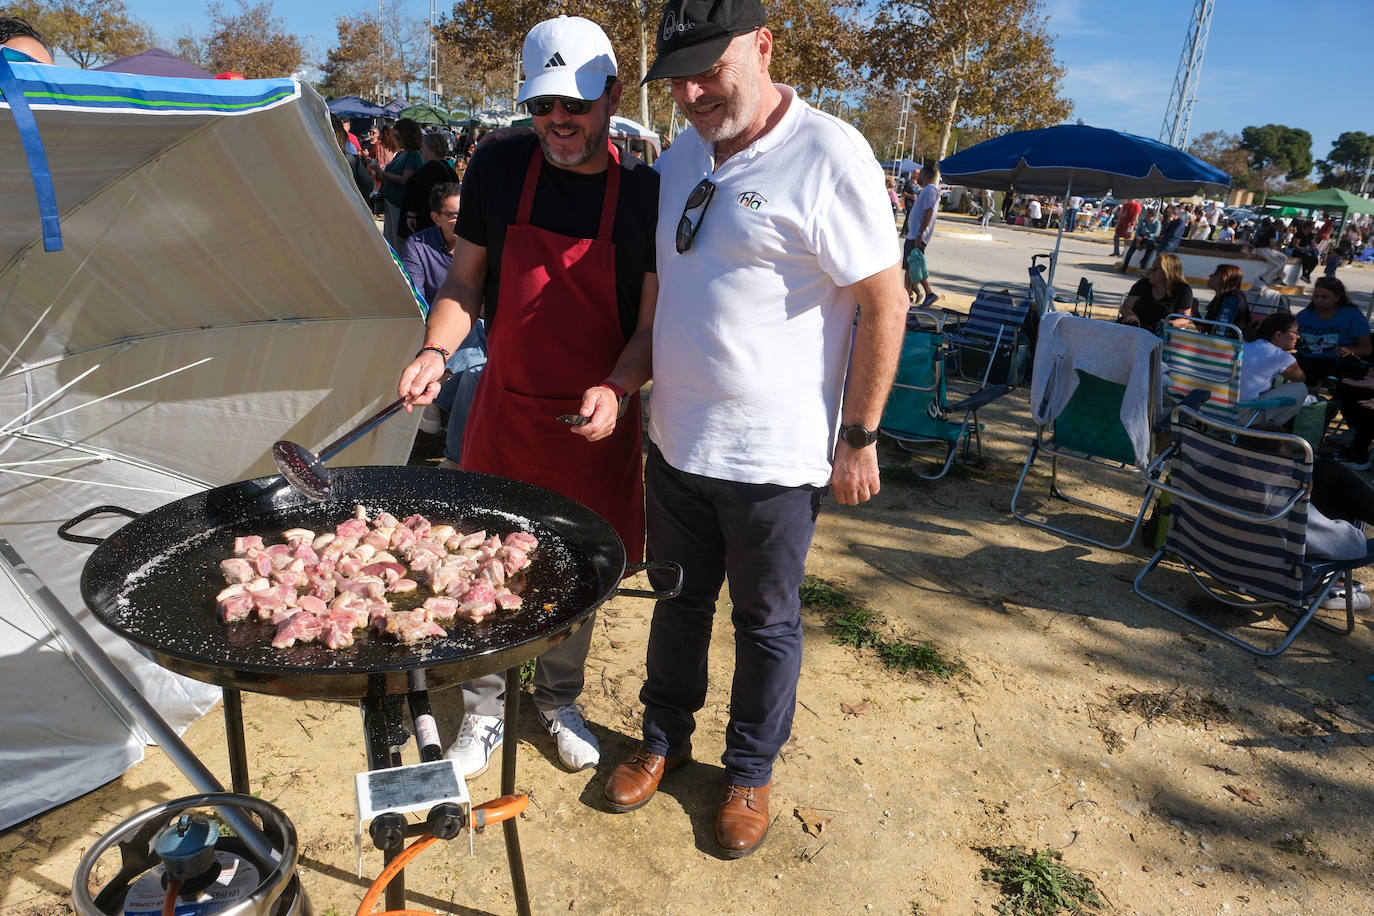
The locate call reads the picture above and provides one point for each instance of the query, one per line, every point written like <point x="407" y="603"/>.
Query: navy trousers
<point x="758" y="536"/>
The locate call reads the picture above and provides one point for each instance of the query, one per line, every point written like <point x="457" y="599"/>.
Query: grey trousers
<point x="558" y="678"/>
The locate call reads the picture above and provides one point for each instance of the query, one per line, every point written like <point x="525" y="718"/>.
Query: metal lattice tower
<point x="1180" y="111"/>
<point x="433" y="53"/>
<point x="902" y="120"/>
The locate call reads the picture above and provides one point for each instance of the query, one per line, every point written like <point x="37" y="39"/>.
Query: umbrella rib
<point x="10" y="429"/>
<point x="103" y="455"/>
<point x="99" y="483"/>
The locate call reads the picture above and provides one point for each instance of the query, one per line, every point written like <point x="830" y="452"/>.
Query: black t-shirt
<point x="1151" y="311"/>
<point x="565" y="202"/>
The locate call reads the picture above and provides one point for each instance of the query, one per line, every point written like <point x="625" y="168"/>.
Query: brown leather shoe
<point x="742" y="820"/>
<point x="636" y="780"/>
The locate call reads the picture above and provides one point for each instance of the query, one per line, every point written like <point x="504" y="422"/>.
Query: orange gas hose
<point x="492" y="812"/>
<point x="169" y="903"/>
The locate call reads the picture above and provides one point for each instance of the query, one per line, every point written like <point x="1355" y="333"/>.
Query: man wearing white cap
<point x="556" y="250"/>
<point x="775" y="230"/>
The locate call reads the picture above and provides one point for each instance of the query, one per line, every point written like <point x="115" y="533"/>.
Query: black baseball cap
<point x="693" y="34"/>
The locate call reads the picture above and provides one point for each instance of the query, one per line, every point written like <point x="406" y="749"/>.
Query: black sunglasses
<point x="698" y="200"/>
<point x="543" y="105"/>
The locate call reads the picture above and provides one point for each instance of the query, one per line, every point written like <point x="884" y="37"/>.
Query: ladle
<point x="305" y="471"/>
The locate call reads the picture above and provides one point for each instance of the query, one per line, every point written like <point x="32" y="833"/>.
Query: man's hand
<point x="602" y="409"/>
<point x="420" y="380"/>
<point x="854" y="474"/>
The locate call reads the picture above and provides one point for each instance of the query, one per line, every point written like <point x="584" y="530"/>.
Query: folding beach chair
<point x="1210" y="362"/>
<point x="1094" y="399"/>
<point x="992" y="343"/>
<point x="1238" y="517"/>
<point x="918" y="415"/>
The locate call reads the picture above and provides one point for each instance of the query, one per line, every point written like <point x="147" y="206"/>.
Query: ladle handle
<point x="365" y="427"/>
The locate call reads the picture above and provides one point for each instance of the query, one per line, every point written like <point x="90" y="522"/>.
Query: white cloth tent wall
<point x="221" y="285"/>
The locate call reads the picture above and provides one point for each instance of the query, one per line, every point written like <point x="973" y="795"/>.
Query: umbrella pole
<point x="1054" y="258"/>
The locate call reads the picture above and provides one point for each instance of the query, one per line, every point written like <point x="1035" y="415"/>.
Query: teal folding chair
<point x="1237" y="523"/>
<point x="918" y="416"/>
<point x="1105" y="423"/>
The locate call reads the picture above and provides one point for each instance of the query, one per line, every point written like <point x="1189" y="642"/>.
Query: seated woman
<point x="1333" y="335"/>
<point x="1267" y="359"/>
<point x="1229" y="305"/>
<point x="1161" y="292"/>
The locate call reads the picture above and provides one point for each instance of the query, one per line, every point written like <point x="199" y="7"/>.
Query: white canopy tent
<point x="220" y="285"/>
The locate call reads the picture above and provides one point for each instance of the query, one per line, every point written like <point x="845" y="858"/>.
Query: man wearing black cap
<point x="759" y="403"/>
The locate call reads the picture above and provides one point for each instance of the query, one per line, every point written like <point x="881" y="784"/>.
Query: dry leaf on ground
<point x="813" y="822"/>
<point x="855" y="709"/>
<point x="1245" y="795"/>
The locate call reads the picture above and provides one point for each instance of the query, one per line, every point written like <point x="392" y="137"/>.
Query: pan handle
<point x="64" y="532"/>
<point x="669" y="592"/>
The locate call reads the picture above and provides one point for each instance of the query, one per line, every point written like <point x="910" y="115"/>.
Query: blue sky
<point x="1268" y="61"/>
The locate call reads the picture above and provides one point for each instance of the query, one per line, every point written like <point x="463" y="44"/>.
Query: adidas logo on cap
<point x="555" y="61"/>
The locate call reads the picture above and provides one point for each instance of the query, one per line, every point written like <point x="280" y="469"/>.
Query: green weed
<point x="853" y="624"/>
<point x="1037" y="883"/>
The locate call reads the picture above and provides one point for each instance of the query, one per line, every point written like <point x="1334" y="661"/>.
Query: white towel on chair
<point x="1115" y="352"/>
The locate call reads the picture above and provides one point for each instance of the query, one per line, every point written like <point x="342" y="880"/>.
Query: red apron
<point x="555" y="334"/>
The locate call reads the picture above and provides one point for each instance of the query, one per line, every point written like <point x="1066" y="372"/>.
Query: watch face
<point x="858" y="437"/>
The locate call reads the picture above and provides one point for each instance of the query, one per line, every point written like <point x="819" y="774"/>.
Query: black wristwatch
<point x="857" y="437"/>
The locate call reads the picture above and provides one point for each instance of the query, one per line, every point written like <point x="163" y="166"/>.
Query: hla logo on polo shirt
<point x="751" y="200"/>
<point x="671" y="25"/>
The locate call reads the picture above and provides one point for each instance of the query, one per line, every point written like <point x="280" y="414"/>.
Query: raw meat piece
<point x="441" y="608"/>
<point x="389" y="572"/>
<point x="385" y="520"/>
<point x="334" y="635"/>
<point x="380" y="538"/>
<point x="297" y="534"/>
<point x="522" y="540"/>
<point x="418" y="524"/>
<point x="508" y="601"/>
<point x="301" y="626"/>
<point x="237" y="569"/>
<point x="313" y="605"/>
<point x="473" y="540"/>
<point x="404" y="585"/>
<point x="353" y="528"/>
<point x="241" y="545"/>
<point x="236" y="607"/>
<point x="402" y="538"/>
<point x="292" y="577"/>
<point x="478" y="601"/>
<point x="257" y="585"/>
<point x="305" y="553"/>
<point x="513" y="558"/>
<point x="493" y="571"/>
<point x="412" y="626"/>
<point x="324" y="540"/>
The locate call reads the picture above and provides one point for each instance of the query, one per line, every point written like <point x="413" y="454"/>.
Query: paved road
<point x="963" y="256"/>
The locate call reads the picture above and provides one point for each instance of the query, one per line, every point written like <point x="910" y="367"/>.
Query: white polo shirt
<point x="753" y="326"/>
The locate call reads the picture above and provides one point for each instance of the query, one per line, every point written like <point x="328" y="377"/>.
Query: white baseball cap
<point x="569" y="57"/>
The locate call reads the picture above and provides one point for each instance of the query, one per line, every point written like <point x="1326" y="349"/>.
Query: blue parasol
<point x="1076" y="158"/>
<point x="351" y="106"/>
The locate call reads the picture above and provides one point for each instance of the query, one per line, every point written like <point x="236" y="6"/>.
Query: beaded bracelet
<point x="437" y="349"/>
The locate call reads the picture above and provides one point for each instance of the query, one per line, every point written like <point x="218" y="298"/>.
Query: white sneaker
<point x="1336" y="600"/>
<point x="577" y="746"/>
<point x="478" y="737"/>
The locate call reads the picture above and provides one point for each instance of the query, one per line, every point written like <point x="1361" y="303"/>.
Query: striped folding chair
<point x="1203" y="360"/>
<point x="1237" y="522"/>
<point x="992" y="348"/>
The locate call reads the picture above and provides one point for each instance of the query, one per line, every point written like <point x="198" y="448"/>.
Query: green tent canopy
<point x="1331" y="200"/>
<point x="424" y="113"/>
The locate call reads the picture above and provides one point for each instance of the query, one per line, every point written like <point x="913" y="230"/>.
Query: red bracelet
<point x="620" y="393"/>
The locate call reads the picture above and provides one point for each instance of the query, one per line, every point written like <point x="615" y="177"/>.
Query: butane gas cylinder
<point x="217" y="871"/>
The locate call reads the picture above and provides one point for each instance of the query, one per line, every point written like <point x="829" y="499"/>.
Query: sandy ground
<point x="1059" y="735"/>
<point x="910" y="774"/>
